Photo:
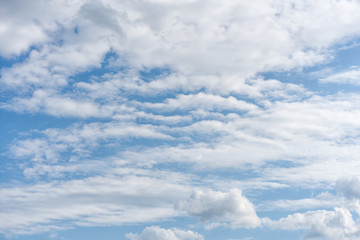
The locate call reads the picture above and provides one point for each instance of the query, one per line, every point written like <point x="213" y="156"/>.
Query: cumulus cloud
<point x="337" y="224"/>
<point x="227" y="207"/>
<point x="158" y="233"/>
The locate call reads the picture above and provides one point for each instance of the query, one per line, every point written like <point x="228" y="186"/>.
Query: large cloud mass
<point x="114" y="112"/>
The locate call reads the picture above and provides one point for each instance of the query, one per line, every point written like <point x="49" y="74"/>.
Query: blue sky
<point x="179" y="120"/>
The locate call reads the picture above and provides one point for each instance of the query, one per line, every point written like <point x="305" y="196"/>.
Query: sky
<point x="179" y="120"/>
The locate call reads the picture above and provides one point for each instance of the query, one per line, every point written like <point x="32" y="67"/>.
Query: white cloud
<point x="37" y="149"/>
<point x="113" y="199"/>
<point x="189" y="37"/>
<point x="214" y="53"/>
<point x="307" y="134"/>
<point x="157" y="233"/>
<point x="349" y="187"/>
<point x="322" y="200"/>
<point x="60" y="106"/>
<point x="334" y="225"/>
<point x="224" y="85"/>
<point x="202" y="101"/>
<point x="81" y="140"/>
<point x="223" y="207"/>
<point x="52" y="64"/>
<point x="25" y="24"/>
<point x="351" y="76"/>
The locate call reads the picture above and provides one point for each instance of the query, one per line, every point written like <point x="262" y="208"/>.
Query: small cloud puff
<point x="222" y="207"/>
<point x="158" y="233"/>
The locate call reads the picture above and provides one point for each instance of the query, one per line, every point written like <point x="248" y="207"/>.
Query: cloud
<point x="115" y="198"/>
<point x="351" y="76"/>
<point x="61" y="106"/>
<point x="209" y="111"/>
<point x="304" y="133"/>
<point x="52" y="64"/>
<point x="182" y="36"/>
<point x="37" y="149"/>
<point x="195" y="42"/>
<point x="224" y="207"/>
<point x="322" y="200"/>
<point x="334" y="225"/>
<point x="157" y="233"/>
<point x="81" y="140"/>
<point x="25" y="24"/>
<point x="202" y="101"/>
<point x="349" y="187"/>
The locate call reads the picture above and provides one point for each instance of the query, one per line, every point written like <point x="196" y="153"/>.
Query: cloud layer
<point x="119" y="113"/>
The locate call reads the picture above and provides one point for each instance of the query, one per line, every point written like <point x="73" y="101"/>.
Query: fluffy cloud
<point x="157" y="233"/>
<point x="188" y="36"/>
<point x="25" y="24"/>
<point x="228" y="207"/>
<point x="270" y="37"/>
<point x="337" y="224"/>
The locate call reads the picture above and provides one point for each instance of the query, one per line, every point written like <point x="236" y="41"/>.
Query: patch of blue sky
<point x="9" y="171"/>
<point x="347" y="55"/>
<point x="76" y="30"/>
